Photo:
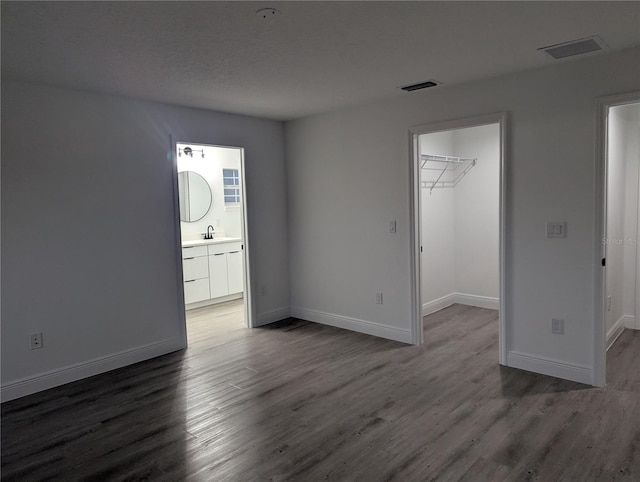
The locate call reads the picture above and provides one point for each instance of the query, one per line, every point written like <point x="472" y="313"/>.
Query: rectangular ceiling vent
<point x="575" y="47"/>
<point x="421" y="85"/>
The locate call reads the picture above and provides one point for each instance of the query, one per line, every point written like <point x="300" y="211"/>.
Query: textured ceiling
<point x="314" y="57"/>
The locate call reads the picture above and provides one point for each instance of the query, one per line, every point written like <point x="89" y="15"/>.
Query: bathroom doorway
<point x="211" y="213"/>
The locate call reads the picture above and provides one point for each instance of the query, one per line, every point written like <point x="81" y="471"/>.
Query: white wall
<point x="622" y="215"/>
<point x="225" y="220"/>
<point x="631" y="116"/>
<point x="616" y="175"/>
<point x="88" y="240"/>
<point x="460" y="231"/>
<point x="438" y="226"/>
<point x="348" y="176"/>
<point x="477" y="213"/>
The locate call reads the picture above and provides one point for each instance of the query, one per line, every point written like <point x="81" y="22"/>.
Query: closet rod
<point x="451" y="165"/>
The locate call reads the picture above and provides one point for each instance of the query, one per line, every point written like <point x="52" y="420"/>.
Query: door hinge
<point x="604" y="261"/>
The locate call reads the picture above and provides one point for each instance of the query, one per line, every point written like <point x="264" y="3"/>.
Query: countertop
<point x="200" y="242"/>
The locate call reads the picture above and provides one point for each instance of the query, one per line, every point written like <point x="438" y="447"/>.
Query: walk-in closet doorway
<point x="457" y="203"/>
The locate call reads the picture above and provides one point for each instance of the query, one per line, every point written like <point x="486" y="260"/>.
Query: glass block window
<point x="231" y="182"/>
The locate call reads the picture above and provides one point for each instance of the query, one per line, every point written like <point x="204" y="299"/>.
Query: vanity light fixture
<point x="188" y="151"/>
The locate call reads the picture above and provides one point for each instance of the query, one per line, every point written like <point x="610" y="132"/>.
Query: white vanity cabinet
<point x="225" y="273"/>
<point x="195" y="273"/>
<point x="213" y="272"/>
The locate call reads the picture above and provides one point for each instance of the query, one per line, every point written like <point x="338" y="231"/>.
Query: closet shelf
<point x="443" y="171"/>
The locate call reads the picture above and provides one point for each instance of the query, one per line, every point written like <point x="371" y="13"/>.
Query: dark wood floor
<point x="305" y="402"/>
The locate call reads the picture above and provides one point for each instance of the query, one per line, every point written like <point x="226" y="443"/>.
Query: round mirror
<point x="195" y="196"/>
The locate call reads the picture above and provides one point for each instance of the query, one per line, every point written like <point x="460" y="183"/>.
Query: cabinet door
<point x="218" y="275"/>
<point x="236" y="273"/>
<point x="195" y="268"/>
<point x="196" y="290"/>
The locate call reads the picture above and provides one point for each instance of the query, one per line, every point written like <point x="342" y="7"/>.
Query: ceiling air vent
<point x="575" y="47"/>
<point x="421" y="85"/>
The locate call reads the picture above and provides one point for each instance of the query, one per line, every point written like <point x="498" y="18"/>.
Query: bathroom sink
<point x="198" y="242"/>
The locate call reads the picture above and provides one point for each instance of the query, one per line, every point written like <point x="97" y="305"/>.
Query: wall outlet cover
<point x="35" y="341"/>
<point x="557" y="326"/>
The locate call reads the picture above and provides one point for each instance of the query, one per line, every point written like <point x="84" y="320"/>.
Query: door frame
<point x="415" y="222"/>
<point x="249" y="305"/>
<point x="600" y="252"/>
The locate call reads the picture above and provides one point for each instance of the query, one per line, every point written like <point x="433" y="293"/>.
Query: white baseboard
<point x="461" y="299"/>
<point x="272" y="316"/>
<point x="44" y="381"/>
<point x="553" y="368"/>
<point x="353" y="324"/>
<point x="437" y="305"/>
<point x="631" y="322"/>
<point x="615" y="331"/>
<point x="213" y="301"/>
<point x="477" y="300"/>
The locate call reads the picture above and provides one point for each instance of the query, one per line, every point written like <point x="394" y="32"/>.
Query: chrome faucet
<point x="209" y="235"/>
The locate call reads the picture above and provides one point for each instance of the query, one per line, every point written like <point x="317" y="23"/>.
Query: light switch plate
<point x="556" y="229"/>
<point x="392" y="226"/>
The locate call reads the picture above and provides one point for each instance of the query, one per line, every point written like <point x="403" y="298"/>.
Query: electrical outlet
<point x="378" y="298"/>
<point x="608" y="303"/>
<point x="263" y="290"/>
<point x="557" y="326"/>
<point x="35" y="340"/>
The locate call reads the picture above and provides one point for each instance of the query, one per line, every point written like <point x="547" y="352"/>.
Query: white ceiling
<point x="314" y="57"/>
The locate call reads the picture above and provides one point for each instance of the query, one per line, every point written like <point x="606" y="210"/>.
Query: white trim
<point x="353" y="324"/>
<point x="182" y="317"/>
<point x="249" y="305"/>
<point x="615" y="331"/>
<point x="415" y="248"/>
<point x="438" y="304"/>
<point x="600" y="193"/>
<point x="502" y="313"/>
<point x="631" y="322"/>
<point x="501" y="119"/>
<point x="489" y="302"/>
<point x="547" y="366"/>
<point x="72" y="373"/>
<point x="635" y="324"/>
<point x="273" y="316"/>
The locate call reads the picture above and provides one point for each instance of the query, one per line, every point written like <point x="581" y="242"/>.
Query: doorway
<point x="211" y="215"/>
<point x="457" y="217"/>
<point x="618" y="271"/>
